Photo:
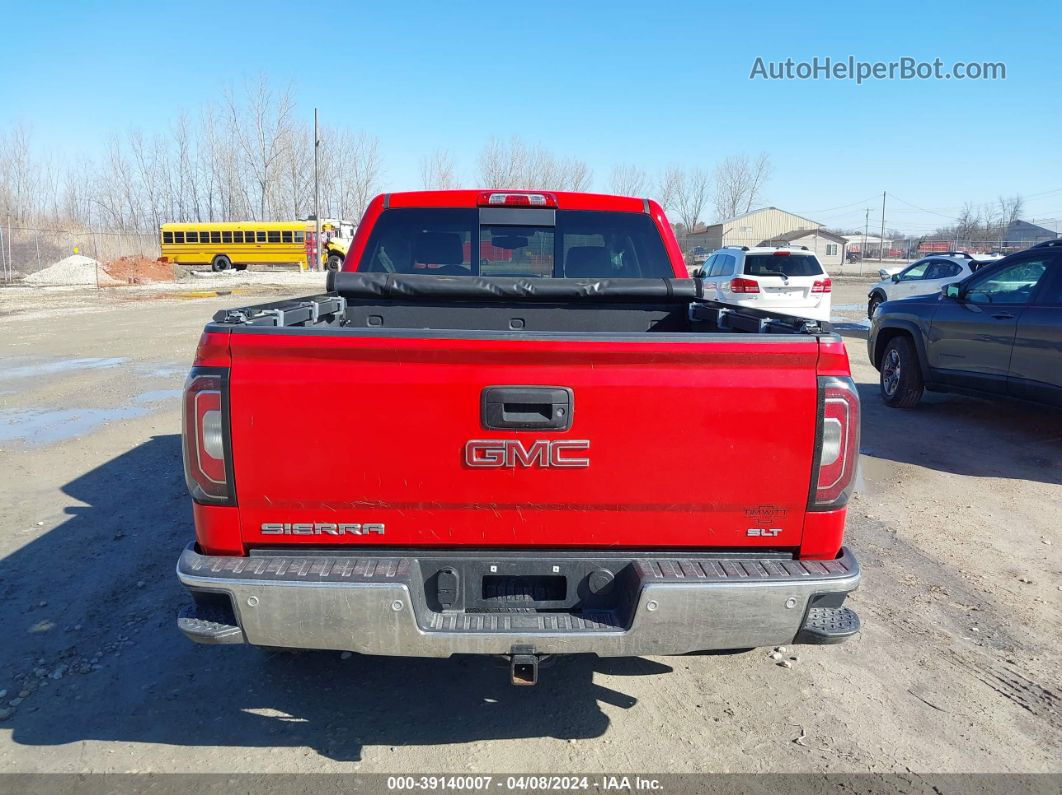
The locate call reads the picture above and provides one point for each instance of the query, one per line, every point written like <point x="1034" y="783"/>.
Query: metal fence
<point x="28" y="250"/>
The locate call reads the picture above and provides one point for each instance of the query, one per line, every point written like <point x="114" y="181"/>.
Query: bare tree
<point x="19" y="174"/>
<point x="149" y="166"/>
<point x="690" y="189"/>
<point x="365" y="172"/>
<point x="352" y="171"/>
<point x="574" y="175"/>
<point x="968" y="223"/>
<point x="514" y="165"/>
<point x="118" y="195"/>
<point x="628" y="180"/>
<point x="297" y="184"/>
<point x="437" y="171"/>
<point x="262" y="133"/>
<point x="1011" y="209"/>
<point x="739" y="183"/>
<point x="538" y="168"/>
<point x="670" y="186"/>
<point x="502" y="165"/>
<point x="185" y="204"/>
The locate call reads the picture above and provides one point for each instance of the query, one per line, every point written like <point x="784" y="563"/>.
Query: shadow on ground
<point x="89" y="630"/>
<point x="966" y="436"/>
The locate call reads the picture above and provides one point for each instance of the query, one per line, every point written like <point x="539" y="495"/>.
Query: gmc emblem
<point x="510" y="453"/>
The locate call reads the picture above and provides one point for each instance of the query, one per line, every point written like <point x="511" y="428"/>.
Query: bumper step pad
<point x="826" y="625"/>
<point x="209" y="624"/>
<point x="599" y="621"/>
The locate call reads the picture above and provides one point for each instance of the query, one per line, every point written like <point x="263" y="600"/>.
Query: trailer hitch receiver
<point x="523" y="666"/>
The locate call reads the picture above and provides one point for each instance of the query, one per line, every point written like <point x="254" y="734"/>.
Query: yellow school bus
<point x="235" y="244"/>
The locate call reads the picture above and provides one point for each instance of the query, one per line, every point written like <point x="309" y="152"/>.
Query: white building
<point x="828" y="247"/>
<point x="749" y="229"/>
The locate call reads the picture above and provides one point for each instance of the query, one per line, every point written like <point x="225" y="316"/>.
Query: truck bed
<point x="388" y="303"/>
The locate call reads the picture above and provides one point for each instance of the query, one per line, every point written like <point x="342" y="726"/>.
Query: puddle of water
<point x="157" y="396"/>
<point x="61" y="366"/>
<point x="38" y="427"/>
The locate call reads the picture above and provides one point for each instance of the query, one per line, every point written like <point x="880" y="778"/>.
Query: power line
<point x="838" y="207"/>
<point x="1045" y="193"/>
<point x="923" y="209"/>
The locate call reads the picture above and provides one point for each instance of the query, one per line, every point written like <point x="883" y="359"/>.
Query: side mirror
<point x="895" y="277"/>
<point x="951" y="291"/>
<point x="699" y="273"/>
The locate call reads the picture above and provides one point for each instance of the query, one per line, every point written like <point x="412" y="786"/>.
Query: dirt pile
<point x="139" y="270"/>
<point x="77" y="270"/>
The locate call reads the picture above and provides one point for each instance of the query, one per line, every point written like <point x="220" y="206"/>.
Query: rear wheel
<point x="901" y="375"/>
<point x="334" y="262"/>
<point x="220" y="263"/>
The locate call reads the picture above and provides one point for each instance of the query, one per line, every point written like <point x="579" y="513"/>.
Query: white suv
<point x="785" y="279"/>
<point x="925" y="277"/>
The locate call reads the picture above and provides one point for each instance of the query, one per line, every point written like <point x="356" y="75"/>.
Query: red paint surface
<point x="823" y="534"/>
<point x="685" y="438"/>
<point x="217" y="529"/>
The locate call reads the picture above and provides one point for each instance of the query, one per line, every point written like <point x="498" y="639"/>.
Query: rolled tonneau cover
<point x="355" y="286"/>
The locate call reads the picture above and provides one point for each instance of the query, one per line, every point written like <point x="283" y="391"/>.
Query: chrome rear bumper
<point x="378" y="604"/>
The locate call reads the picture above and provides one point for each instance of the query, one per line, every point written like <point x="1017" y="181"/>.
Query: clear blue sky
<point x="642" y="82"/>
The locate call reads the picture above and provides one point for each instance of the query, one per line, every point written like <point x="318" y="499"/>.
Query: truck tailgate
<point x="696" y="444"/>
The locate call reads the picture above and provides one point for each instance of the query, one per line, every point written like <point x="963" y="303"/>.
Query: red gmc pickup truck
<point x="513" y="426"/>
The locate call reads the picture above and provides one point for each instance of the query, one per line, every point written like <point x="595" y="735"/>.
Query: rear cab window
<point x="788" y="264"/>
<point x="527" y="243"/>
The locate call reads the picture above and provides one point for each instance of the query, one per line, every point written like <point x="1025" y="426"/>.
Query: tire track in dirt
<point x="1021" y="686"/>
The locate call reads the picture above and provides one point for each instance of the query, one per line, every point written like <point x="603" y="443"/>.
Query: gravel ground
<point x="956" y="525"/>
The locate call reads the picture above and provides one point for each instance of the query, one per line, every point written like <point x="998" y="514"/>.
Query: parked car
<point x="782" y="279"/>
<point x="520" y="488"/>
<point x="997" y="332"/>
<point x="924" y="277"/>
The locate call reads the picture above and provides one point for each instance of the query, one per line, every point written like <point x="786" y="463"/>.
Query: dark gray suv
<point x="997" y="332"/>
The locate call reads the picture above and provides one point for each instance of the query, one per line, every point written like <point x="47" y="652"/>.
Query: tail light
<point x="744" y="286"/>
<point x="518" y="199"/>
<point x="205" y="441"/>
<point x="838" y="443"/>
<point x="822" y="286"/>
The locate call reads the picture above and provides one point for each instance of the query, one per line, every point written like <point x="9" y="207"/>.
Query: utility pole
<point x="881" y="245"/>
<point x="863" y="251"/>
<point x="316" y="198"/>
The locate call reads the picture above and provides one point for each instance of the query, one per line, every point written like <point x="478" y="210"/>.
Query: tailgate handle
<point x="526" y="408"/>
